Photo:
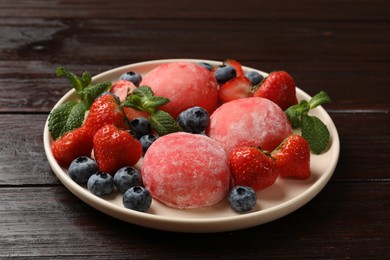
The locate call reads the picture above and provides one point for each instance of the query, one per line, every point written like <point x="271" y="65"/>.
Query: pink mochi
<point x="186" y="171"/>
<point x="185" y="84"/>
<point x="250" y="121"/>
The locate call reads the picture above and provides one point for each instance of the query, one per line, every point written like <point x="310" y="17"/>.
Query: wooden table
<point x="340" y="46"/>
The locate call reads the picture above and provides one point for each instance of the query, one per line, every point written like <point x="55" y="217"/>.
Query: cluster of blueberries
<point x="84" y="170"/>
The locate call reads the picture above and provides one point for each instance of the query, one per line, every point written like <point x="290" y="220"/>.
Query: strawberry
<point x="132" y="113"/>
<point x="278" y="87"/>
<point x="105" y="110"/>
<point x="114" y="148"/>
<point x="122" y="88"/>
<point x="238" y="87"/>
<point x="250" y="166"/>
<point x="236" y="65"/>
<point x="72" y="145"/>
<point x="293" y="157"/>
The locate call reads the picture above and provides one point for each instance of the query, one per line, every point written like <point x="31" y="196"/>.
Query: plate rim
<point x="192" y="225"/>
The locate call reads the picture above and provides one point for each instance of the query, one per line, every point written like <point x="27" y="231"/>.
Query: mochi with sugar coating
<point x="185" y="84"/>
<point x="253" y="121"/>
<point x="186" y="171"/>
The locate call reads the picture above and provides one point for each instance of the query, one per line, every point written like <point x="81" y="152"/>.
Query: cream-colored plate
<point x="282" y="198"/>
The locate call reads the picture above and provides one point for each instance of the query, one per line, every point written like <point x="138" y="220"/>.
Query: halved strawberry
<point x="278" y="87"/>
<point x="238" y="87"/>
<point x="293" y="157"/>
<point x="122" y="88"/>
<point x="250" y="166"/>
<point x="236" y="65"/>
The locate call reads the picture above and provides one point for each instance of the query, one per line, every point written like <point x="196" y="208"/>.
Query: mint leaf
<point x="91" y="92"/>
<point x="295" y="112"/>
<point x="70" y="115"/>
<point x="143" y="91"/>
<point x="66" y="117"/>
<point x="163" y="123"/>
<point x="133" y="101"/>
<point x="154" y="102"/>
<point x="143" y="99"/>
<point x="78" y="83"/>
<point x="315" y="132"/>
<point x="319" y="99"/>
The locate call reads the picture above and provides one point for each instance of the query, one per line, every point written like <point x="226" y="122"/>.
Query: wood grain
<point x="77" y="231"/>
<point x="339" y="46"/>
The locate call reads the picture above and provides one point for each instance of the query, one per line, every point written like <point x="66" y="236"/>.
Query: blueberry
<point x="194" y="120"/>
<point x="141" y="126"/>
<point x="224" y="73"/>
<point x="127" y="177"/>
<point x="81" y="169"/>
<point x="242" y="198"/>
<point x="146" y="141"/>
<point x="254" y="77"/>
<point x="133" y="77"/>
<point x="100" y="183"/>
<point x="206" y="65"/>
<point x="137" y="198"/>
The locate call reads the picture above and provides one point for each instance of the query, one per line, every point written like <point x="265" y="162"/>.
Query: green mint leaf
<point x="163" y="123"/>
<point x="154" y="102"/>
<point x="295" y="112"/>
<point x="143" y="91"/>
<point x="294" y="116"/>
<point x="90" y="93"/>
<point x="315" y="132"/>
<point x="66" y="117"/>
<point x="143" y="99"/>
<point x="133" y="101"/>
<point x="76" y="82"/>
<point x="319" y="99"/>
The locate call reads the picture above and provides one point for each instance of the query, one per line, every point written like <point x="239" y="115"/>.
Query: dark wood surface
<point x="342" y="47"/>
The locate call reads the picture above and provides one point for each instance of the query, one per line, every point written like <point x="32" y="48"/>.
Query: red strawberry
<point x="105" y="110"/>
<point x="278" y="87"/>
<point x="293" y="157"/>
<point x="238" y="87"/>
<point x="250" y="166"/>
<point x="132" y="113"/>
<point x="114" y="148"/>
<point x="122" y="88"/>
<point x="72" y="145"/>
<point x="237" y="66"/>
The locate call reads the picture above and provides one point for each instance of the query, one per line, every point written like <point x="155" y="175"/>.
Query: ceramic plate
<point x="282" y="198"/>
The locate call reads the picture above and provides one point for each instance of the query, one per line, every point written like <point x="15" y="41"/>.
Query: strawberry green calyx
<point x="312" y="128"/>
<point x="143" y="99"/>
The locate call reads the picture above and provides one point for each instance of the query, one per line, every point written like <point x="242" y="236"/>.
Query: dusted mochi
<point x="250" y="121"/>
<point x="186" y="171"/>
<point x="185" y="84"/>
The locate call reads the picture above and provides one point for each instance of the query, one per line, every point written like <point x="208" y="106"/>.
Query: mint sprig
<point x="143" y="99"/>
<point x="70" y="115"/>
<point x="66" y="117"/>
<point x="312" y="128"/>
